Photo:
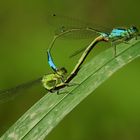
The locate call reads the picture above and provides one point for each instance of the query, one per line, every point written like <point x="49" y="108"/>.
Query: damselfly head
<point x="134" y="29"/>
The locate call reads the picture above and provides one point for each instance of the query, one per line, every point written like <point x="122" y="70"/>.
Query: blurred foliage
<point x="113" y="112"/>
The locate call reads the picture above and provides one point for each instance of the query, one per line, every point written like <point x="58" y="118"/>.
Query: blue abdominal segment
<point x="50" y="62"/>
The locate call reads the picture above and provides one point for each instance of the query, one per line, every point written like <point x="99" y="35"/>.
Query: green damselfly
<point x="51" y="82"/>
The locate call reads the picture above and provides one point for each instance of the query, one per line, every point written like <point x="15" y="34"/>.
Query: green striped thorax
<point x="50" y="81"/>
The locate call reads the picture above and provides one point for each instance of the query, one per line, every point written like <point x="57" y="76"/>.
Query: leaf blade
<point x="51" y="109"/>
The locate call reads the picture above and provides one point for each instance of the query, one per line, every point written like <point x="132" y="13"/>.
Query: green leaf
<point x="39" y="120"/>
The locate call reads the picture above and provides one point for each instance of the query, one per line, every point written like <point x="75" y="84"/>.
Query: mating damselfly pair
<point x="58" y="80"/>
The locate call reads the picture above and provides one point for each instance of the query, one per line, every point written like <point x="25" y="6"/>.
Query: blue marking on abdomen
<point x="50" y="62"/>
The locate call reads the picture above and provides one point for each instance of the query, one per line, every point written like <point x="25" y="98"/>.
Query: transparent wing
<point x="77" y="52"/>
<point x="9" y="94"/>
<point x="63" y="23"/>
<point x="82" y="33"/>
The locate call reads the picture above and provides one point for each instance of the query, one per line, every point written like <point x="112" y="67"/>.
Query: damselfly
<point x="115" y="36"/>
<point x="57" y="77"/>
<point x="51" y="82"/>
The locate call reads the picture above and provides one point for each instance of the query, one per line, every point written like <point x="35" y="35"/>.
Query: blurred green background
<point x="25" y="33"/>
